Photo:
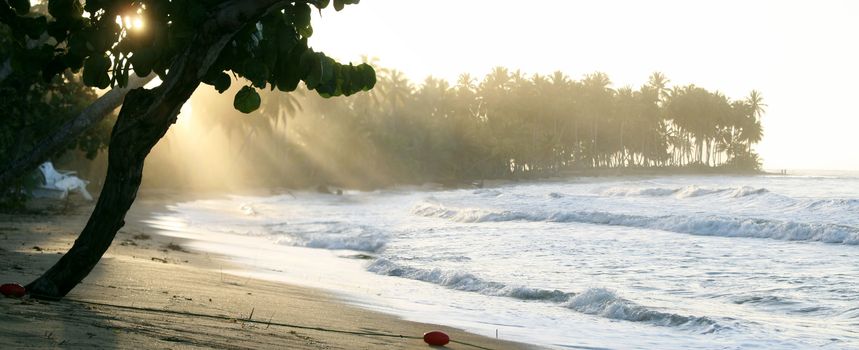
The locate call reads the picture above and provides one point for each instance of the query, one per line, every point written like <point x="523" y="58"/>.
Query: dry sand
<point x="161" y="296"/>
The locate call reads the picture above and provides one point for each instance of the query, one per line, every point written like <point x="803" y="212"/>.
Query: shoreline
<point x="149" y="291"/>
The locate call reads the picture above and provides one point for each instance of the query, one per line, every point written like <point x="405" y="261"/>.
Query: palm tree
<point x="659" y="83"/>
<point x="756" y="103"/>
<point x="598" y="102"/>
<point x="396" y="88"/>
<point x="466" y="82"/>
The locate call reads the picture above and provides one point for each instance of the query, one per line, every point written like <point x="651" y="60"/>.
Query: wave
<point x="605" y="303"/>
<point x="638" y="192"/>
<point x="595" y="301"/>
<point x="767" y="300"/>
<point x="333" y="236"/>
<point x="747" y="191"/>
<point x="488" y="192"/>
<point x="830" y="204"/>
<point x="702" y="226"/>
<point x="683" y="192"/>
<point x="464" y="282"/>
<point x="248" y="210"/>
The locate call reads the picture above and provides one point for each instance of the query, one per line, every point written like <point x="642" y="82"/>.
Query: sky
<point x="803" y="56"/>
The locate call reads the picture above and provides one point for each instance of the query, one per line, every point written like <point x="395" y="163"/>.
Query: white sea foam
<point x="638" y="192"/>
<point x="332" y="235"/>
<point x="605" y="303"/>
<point x="594" y="301"/>
<point x="465" y="282"/>
<point x="708" y="225"/>
<point x="487" y="192"/>
<point x="682" y="192"/>
<point x="829" y="204"/>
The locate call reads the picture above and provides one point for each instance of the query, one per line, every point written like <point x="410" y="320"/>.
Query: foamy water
<point x="624" y="263"/>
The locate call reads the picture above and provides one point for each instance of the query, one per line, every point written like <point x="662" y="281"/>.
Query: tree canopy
<point x="108" y="40"/>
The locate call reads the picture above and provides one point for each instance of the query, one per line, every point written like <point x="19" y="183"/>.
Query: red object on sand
<point x="13" y="290"/>
<point x="438" y="338"/>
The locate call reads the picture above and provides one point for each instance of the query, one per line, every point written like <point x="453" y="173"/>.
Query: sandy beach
<point x="151" y="292"/>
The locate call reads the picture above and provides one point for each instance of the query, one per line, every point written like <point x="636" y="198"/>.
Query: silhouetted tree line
<point x="513" y="125"/>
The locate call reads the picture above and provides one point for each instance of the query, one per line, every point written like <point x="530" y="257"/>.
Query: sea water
<point x="693" y="262"/>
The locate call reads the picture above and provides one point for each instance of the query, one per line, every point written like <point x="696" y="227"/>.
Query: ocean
<point x="677" y="262"/>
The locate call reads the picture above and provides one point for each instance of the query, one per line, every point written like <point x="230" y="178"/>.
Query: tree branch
<point x="90" y="116"/>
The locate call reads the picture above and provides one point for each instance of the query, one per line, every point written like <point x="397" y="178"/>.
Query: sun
<point x="131" y="22"/>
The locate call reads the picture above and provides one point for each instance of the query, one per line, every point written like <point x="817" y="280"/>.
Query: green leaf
<point x="329" y="68"/>
<point x="122" y="78"/>
<point x="312" y="61"/>
<point x="287" y="40"/>
<point x="302" y="15"/>
<point x="247" y="100"/>
<point x="306" y="31"/>
<point x="222" y="82"/>
<point x="321" y="4"/>
<point x="368" y="76"/>
<point x="65" y="9"/>
<point x="57" y="30"/>
<point x="74" y="62"/>
<point x="142" y="61"/>
<point x="78" y="45"/>
<point x="56" y="66"/>
<point x="92" y="6"/>
<point x="338" y="5"/>
<point x="95" y="71"/>
<point x="21" y="6"/>
<point x="289" y="71"/>
<point x="34" y="27"/>
<point x="256" y="71"/>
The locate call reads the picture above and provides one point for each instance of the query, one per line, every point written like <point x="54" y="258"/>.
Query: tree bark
<point x="128" y="148"/>
<point x="144" y="119"/>
<point x="91" y="115"/>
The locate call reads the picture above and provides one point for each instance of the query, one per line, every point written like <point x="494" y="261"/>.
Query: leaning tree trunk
<point x="133" y="136"/>
<point x="145" y="117"/>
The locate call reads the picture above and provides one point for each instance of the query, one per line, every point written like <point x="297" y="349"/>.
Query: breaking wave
<point x="332" y="235"/>
<point x="702" y="226"/>
<point x="595" y="301"/>
<point x="833" y="204"/>
<point x="684" y="192"/>
<point x="464" y="282"/>
<point x="605" y="303"/>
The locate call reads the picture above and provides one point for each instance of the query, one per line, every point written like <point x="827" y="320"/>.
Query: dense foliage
<point x="504" y="126"/>
<point x="108" y="40"/>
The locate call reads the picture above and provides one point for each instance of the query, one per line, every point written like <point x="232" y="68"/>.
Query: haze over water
<point x="693" y="262"/>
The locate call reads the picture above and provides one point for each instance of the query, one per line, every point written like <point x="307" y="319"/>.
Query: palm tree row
<point x="511" y="124"/>
<point x="505" y="125"/>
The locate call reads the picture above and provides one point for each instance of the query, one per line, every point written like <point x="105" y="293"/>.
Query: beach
<point x="152" y="292"/>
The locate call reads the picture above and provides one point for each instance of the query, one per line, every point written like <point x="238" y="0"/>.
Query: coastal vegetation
<point x="506" y="125"/>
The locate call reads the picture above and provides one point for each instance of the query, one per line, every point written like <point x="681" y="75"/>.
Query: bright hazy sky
<point x="802" y="55"/>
